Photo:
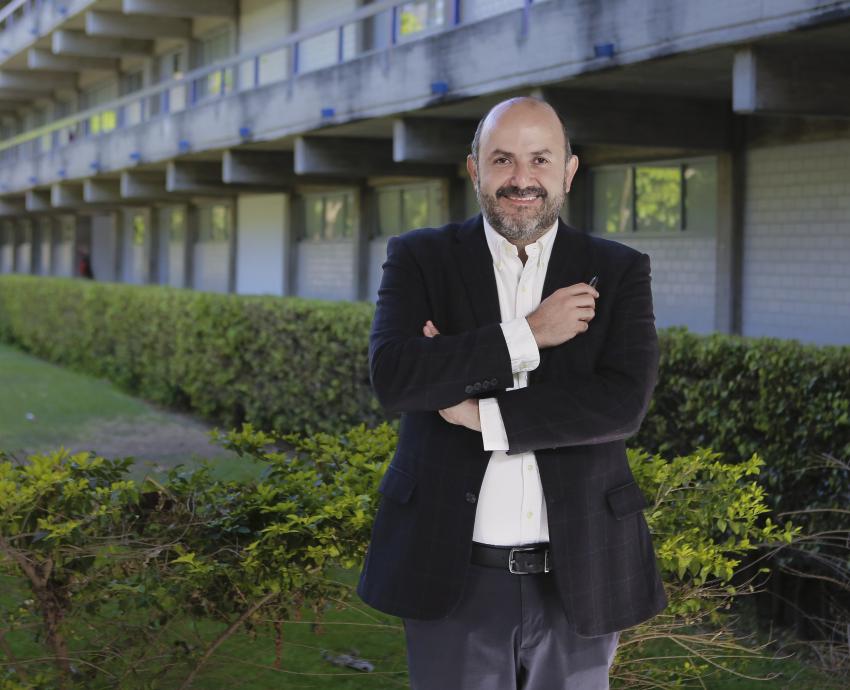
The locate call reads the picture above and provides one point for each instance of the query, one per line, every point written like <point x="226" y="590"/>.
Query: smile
<point x="522" y="200"/>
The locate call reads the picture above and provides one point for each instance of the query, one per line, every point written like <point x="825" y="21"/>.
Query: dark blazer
<point x="584" y="399"/>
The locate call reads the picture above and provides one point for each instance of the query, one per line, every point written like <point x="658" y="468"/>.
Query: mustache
<point x="510" y="190"/>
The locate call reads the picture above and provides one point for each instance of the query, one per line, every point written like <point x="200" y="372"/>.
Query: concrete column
<point x="291" y="230"/>
<point x="731" y="194"/>
<point x="193" y="218"/>
<point x="364" y="231"/>
<point x="153" y="245"/>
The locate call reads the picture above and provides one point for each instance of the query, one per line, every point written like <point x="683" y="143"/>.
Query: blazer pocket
<point x="626" y="499"/>
<point x="397" y="484"/>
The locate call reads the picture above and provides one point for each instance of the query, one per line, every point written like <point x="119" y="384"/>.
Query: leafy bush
<point x="114" y="570"/>
<point x="289" y="364"/>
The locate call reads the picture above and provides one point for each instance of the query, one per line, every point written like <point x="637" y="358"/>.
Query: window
<point x="100" y="94"/>
<point x="177" y="225"/>
<point x="411" y="206"/>
<point x="214" y="47"/>
<point x="414" y="17"/>
<point x="329" y="216"/>
<point x="666" y="197"/>
<point x="215" y="223"/>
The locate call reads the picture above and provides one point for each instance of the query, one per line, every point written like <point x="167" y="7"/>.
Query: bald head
<point x="526" y="108"/>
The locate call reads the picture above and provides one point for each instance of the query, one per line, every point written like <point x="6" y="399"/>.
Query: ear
<point x="572" y="168"/>
<point x="470" y="168"/>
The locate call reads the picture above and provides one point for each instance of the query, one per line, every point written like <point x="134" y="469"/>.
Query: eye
<point x="541" y="160"/>
<point x="500" y="158"/>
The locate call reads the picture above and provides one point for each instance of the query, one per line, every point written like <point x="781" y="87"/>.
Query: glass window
<point x="612" y="199"/>
<point x="216" y="225"/>
<point x="138" y="229"/>
<point x="106" y="120"/>
<point x="215" y="47"/>
<point x="701" y="195"/>
<point x="67" y="228"/>
<point x="658" y="198"/>
<point x="655" y="197"/>
<point x="402" y="208"/>
<point x="329" y="216"/>
<point x="177" y="225"/>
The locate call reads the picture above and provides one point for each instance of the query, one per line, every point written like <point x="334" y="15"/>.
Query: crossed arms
<point x="411" y="371"/>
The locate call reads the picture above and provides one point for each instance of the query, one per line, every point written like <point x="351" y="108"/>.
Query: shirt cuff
<point x="492" y="427"/>
<point x="522" y="347"/>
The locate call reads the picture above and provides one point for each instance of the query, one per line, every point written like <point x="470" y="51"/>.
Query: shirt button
<point x="529" y="515"/>
<point x="530" y="467"/>
<point x="470" y="497"/>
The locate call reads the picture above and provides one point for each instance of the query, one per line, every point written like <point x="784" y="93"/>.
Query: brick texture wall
<point x="797" y="242"/>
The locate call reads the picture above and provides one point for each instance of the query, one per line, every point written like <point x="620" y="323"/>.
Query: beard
<point x="524" y="224"/>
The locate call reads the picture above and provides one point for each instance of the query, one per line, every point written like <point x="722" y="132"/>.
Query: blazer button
<point x="493" y="382"/>
<point x="477" y="386"/>
<point x="470" y="497"/>
<point x="469" y="389"/>
<point x="485" y="385"/>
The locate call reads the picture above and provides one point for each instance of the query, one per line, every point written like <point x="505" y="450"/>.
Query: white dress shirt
<point x="511" y="510"/>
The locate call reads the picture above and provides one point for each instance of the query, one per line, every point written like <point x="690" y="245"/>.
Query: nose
<point x="522" y="175"/>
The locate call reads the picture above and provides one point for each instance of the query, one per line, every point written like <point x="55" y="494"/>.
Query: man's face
<point x="522" y="176"/>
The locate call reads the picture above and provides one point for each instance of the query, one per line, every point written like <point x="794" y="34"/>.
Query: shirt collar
<point x="499" y="246"/>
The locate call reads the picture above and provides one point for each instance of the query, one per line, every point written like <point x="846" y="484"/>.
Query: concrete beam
<point x="38" y="82"/>
<point x="45" y="60"/>
<point x="432" y="140"/>
<point x="769" y="82"/>
<point x="184" y="8"/>
<point x="144" y="185"/>
<point x="601" y="117"/>
<point x="106" y="191"/>
<point x="196" y="177"/>
<point x="67" y="42"/>
<point x="357" y="158"/>
<point x="260" y="168"/>
<point x="12" y="206"/>
<point x="38" y="200"/>
<point x="66" y="195"/>
<point x="18" y="95"/>
<point x="115" y="24"/>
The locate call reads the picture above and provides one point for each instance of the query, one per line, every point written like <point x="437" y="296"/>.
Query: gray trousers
<point x="508" y="632"/>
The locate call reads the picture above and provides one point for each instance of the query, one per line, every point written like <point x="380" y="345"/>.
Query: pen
<point x="593" y="281"/>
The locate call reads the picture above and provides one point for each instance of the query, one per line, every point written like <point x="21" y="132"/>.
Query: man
<point x="510" y="536"/>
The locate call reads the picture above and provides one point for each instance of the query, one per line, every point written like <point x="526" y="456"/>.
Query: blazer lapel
<point x="476" y="269"/>
<point x="570" y="261"/>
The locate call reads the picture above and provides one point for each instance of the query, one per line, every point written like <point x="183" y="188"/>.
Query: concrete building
<point x="272" y="146"/>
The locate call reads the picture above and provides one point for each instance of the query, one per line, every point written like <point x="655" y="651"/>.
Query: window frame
<point x="683" y="230"/>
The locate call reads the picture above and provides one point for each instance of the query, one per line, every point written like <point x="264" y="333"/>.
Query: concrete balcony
<point x="659" y="77"/>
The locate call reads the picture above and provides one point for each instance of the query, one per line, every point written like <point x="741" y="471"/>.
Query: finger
<point x="581" y="289"/>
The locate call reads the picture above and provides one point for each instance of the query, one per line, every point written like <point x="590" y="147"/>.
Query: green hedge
<point x="787" y="401"/>
<point x="290" y="364"/>
<point x="301" y="365"/>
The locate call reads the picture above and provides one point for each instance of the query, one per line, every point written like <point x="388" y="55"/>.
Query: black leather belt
<point x="519" y="560"/>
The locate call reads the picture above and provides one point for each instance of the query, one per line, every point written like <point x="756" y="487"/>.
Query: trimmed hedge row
<point x="301" y="365"/>
<point x="289" y="364"/>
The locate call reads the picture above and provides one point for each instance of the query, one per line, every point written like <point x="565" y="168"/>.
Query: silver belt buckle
<point x="512" y="559"/>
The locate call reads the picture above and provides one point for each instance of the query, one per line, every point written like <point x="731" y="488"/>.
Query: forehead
<point x="524" y="127"/>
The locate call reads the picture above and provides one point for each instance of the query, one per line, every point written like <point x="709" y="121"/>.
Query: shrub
<point x="289" y="364"/>
<point x="112" y="568"/>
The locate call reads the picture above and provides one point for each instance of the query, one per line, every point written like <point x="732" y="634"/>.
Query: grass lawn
<point x="43" y="406"/>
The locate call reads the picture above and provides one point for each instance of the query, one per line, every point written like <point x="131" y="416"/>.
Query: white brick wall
<point x="797" y="242"/>
<point x="326" y="270"/>
<point x="684" y="270"/>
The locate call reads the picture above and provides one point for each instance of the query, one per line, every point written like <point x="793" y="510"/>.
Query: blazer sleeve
<point x="411" y="372"/>
<point x="608" y="404"/>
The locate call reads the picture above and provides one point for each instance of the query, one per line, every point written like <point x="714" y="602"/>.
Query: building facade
<point x="272" y="146"/>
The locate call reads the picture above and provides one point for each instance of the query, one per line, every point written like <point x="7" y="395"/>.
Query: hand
<point x="429" y="329"/>
<point x="563" y="315"/>
<point x="464" y="413"/>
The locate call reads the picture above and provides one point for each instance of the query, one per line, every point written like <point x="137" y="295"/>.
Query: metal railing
<point x="403" y="21"/>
